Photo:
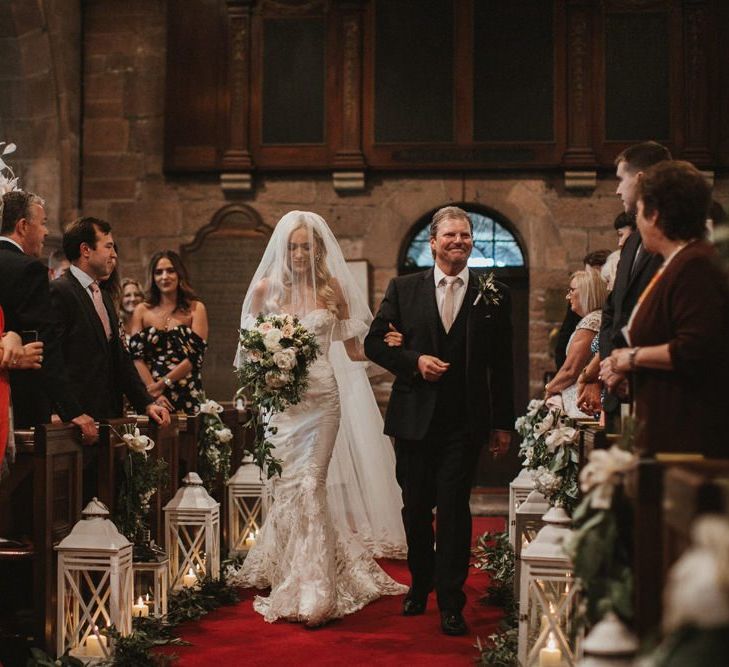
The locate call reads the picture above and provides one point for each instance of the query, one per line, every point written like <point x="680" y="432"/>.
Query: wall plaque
<point x="222" y="260"/>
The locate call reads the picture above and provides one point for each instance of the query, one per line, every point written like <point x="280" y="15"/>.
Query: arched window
<point x="494" y="246"/>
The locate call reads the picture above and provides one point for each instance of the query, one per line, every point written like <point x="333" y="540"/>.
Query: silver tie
<point x="448" y="315"/>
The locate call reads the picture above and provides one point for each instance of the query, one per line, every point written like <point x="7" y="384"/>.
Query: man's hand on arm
<point x="431" y="368"/>
<point x="89" y="430"/>
<point x="158" y="413"/>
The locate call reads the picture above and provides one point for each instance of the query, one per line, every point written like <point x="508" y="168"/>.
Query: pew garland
<point x="141" y="478"/>
<point x="549" y="448"/>
<point x="214" y="444"/>
<point x="601" y="546"/>
<point x="495" y="556"/>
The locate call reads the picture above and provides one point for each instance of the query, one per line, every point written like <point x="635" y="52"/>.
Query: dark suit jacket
<point x="626" y="290"/>
<point x="684" y="410"/>
<point x="101" y="371"/>
<point x="26" y="301"/>
<point x="410" y="305"/>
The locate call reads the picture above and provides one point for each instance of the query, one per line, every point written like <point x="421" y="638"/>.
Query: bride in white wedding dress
<point x="336" y="503"/>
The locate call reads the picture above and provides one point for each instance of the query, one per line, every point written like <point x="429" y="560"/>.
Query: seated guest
<point x="678" y="333"/>
<point x="132" y="296"/>
<point x="169" y="332"/>
<point x="57" y="264"/>
<point x="101" y="370"/>
<point x="593" y="261"/>
<point x="586" y="296"/>
<point x="25" y="299"/>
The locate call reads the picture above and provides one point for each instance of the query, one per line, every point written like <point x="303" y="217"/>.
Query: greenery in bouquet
<point x="601" y="545"/>
<point x="214" y="444"/>
<point x="276" y="353"/>
<point x="141" y="477"/>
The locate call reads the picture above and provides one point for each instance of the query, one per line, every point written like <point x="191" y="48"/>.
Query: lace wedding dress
<point x="316" y="571"/>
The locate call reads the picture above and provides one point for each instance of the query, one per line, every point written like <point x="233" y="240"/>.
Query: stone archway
<point x="221" y="261"/>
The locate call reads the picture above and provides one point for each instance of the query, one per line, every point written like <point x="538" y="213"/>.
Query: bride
<point x="336" y="503"/>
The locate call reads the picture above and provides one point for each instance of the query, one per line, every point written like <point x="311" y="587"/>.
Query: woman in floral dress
<point x="169" y="332"/>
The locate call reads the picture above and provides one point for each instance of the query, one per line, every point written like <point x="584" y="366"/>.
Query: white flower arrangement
<point x="605" y="469"/>
<point x="137" y="442"/>
<point x="8" y="179"/>
<point x="214" y="444"/>
<point x="275" y="352"/>
<point x="562" y="435"/>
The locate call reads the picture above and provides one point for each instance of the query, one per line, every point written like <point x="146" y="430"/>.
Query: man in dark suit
<point x="635" y="269"/>
<point x="452" y="393"/>
<point x="26" y="302"/>
<point x="100" y="368"/>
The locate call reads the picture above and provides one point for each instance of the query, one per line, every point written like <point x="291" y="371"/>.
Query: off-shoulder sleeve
<point x="196" y="347"/>
<point x="347" y="329"/>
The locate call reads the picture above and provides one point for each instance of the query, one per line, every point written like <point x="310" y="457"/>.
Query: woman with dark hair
<point x="678" y="332"/>
<point x="169" y="332"/>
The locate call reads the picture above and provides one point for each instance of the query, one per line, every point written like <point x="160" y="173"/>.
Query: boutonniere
<point x="487" y="290"/>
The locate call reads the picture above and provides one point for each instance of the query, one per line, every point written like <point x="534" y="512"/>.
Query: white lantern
<point x="609" y="644"/>
<point x="192" y="534"/>
<point x="247" y="506"/>
<point x="528" y="522"/>
<point x="94" y="585"/>
<point x="151" y="583"/>
<point x="519" y="489"/>
<point x="548" y="634"/>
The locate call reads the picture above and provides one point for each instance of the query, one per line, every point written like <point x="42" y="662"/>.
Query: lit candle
<point x="95" y="645"/>
<point x="140" y="609"/>
<point x="189" y="580"/>
<point x="251" y="539"/>
<point x="550" y="656"/>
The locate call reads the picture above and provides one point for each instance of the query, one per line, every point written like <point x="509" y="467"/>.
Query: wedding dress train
<point x="317" y="569"/>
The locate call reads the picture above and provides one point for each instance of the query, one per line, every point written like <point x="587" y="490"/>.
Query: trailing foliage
<point x="40" y="658"/>
<point x="141" y="477"/>
<point x="214" y="444"/>
<point x="495" y="556"/>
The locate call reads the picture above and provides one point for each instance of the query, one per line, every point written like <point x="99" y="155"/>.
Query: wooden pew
<point x="167" y="442"/>
<point x="667" y="493"/>
<point x="42" y="500"/>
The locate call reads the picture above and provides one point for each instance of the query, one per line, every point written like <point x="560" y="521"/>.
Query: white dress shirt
<point x="84" y="278"/>
<point x="15" y="243"/>
<point x="459" y="290"/>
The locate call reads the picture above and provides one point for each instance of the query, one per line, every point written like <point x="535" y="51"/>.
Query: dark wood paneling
<point x="513" y="72"/>
<point x="195" y="111"/>
<point x="450" y="84"/>
<point x="637" y="76"/>
<point x="413" y="71"/>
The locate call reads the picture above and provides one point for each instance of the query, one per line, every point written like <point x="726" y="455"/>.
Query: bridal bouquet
<point x="276" y="353"/>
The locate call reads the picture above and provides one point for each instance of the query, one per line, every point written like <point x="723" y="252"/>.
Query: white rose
<point x="285" y="359"/>
<point x="224" y="435"/>
<point x="264" y="327"/>
<point x="137" y="442"/>
<point x="604" y="472"/>
<point x="271" y="340"/>
<point x="210" y="407"/>
<point x="560" y="436"/>
<point x="276" y="379"/>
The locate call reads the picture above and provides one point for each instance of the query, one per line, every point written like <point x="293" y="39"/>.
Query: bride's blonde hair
<point x="323" y="277"/>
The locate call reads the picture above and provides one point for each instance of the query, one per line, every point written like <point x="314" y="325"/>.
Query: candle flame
<point x="551" y="642"/>
<point x="140" y="601"/>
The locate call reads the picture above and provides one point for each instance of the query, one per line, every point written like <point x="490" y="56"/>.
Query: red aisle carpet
<point x="378" y="634"/>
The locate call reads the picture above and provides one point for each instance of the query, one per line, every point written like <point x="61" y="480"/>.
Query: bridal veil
<point x="305" y="272"/>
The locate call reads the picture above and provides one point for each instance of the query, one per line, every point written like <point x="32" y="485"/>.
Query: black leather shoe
<point x="452" y="623"/>
<point x="413" y="606"/>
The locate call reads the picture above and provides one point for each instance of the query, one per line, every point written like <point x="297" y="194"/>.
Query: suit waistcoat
<point x="452" y="348"/>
